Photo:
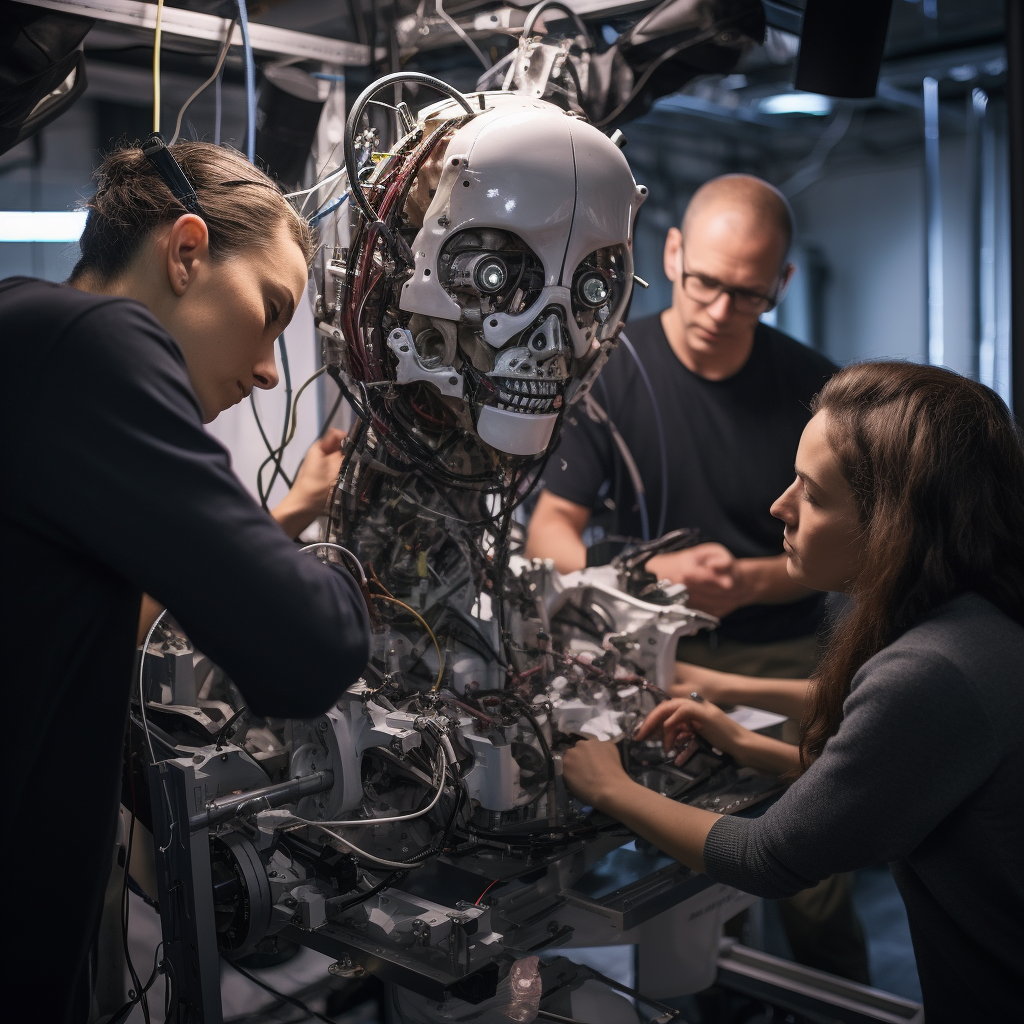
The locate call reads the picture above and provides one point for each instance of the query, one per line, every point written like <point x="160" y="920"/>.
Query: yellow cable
<point x="437" y="646"/>
<point x="156" y="65"/>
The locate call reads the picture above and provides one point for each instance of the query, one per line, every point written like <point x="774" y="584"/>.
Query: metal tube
<point x="977" y="100"/>
<point x="261" y="799"/>
<point x="1015" y="117"/>
<point x="933" y="223"/>
<point x="985" y="313"/>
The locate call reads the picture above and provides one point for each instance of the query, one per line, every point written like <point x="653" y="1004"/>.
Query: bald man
<point x="730" y="399"/>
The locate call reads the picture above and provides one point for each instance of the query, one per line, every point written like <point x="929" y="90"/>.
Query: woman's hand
<point x="313" y="484"/>
<point x="681" y="719"/>
<point x="593" y="771"/>
<point x="709" y="683"/>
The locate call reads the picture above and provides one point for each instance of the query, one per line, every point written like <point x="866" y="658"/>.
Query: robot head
<point x="523" y="266"/>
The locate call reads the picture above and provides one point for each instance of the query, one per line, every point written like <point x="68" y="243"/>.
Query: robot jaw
<point x="519" y="401"/>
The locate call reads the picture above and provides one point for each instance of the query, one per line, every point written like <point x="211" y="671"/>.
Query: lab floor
<point x="875" y="896"/>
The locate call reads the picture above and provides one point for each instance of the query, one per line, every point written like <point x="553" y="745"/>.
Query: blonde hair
<point x="242" y="206"/>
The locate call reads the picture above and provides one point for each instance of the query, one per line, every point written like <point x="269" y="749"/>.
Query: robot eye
<point x="592" y="289"/>
<point x="482" y="273"/>
<point x="491" y="275"/>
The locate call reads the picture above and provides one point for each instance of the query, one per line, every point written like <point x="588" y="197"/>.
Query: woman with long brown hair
<point x="908" y="497"/>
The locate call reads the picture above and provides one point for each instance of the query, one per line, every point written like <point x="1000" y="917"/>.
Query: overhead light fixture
<point x="41" y="225"/>
<point x="812" y="103"/>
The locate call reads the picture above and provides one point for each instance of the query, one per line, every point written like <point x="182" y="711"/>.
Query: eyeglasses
<point x="705" y="290"/>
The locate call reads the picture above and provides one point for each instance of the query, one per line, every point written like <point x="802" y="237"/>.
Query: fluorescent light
<point x="41" y="225"/>
<point x="796" y="103"/>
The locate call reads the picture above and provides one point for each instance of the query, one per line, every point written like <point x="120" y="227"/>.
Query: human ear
<point x="784" y="278"/>
<point x="188" y="246"/>
<point x="673" y="248"/>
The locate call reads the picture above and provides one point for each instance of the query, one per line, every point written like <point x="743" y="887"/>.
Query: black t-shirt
<point x="729" y="447"/>
<point x="111" y="488"/>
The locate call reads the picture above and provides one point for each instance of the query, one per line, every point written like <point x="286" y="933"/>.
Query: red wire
<point x="486" y="891"/>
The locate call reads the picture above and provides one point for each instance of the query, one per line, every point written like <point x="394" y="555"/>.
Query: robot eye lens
<point x="491" y="275"/>
<point x="593" y="289"/>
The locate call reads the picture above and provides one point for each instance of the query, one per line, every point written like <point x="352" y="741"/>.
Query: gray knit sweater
<point x="927" y="772"/>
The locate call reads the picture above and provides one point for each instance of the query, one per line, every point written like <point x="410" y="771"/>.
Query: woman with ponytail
<point x="192" y="263"/>
<point x="909" y="498"/>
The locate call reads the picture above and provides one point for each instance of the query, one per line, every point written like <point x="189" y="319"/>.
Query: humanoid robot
<point x="480" y="276"/>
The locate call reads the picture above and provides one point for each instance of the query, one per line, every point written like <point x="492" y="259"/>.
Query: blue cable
<point x="329" y="209"/>
<point x="663" y="514"/>
<point x="250" y="84"/>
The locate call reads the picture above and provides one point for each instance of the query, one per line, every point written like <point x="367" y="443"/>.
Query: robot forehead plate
<point x="556" y="182"/>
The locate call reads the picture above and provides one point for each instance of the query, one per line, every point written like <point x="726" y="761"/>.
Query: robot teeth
<point x="520" y="394"/>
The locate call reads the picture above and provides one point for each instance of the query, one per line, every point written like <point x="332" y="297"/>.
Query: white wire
<point x="142" y="693"/>
<point x="461" y="33"/>
<point x="443" y="765"/>
<point x="336" y="547"/>
<point x="225" y="46"/>
<point x="399" y="865"/>
<point x="333" y="176"/>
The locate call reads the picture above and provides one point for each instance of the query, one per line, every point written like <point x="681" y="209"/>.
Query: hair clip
<point x="157" y="153"/>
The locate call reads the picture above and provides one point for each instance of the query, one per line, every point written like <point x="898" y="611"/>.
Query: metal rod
<point x="933" y="222"/>
<point x="261" y="799"/>
<point x="986" y="326"/>
<point x="977" y="101"/>
<point x="1015" y="117"/>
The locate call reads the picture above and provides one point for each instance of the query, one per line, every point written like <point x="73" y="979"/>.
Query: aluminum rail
<point x="195" y="25"/>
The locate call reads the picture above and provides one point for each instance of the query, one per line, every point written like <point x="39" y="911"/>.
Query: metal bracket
<point x="446" y="379"/>
<point x="185" y="883"/>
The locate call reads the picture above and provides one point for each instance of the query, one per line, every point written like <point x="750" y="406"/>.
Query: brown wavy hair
<point x="936" y="464"/>
<point x="242" y="206"/>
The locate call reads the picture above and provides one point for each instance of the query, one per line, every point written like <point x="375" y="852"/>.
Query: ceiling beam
<point x="266" y="39"/>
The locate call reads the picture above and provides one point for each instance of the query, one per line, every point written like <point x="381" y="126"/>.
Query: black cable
<point x="527" y="713"/>
<point x="223" y="734"/>
<point x="352" y="123"/>
<point x="279" y="995"/>
<point x="271" y="450"/>
<point x="547" y="5"/>
<point x="278" y="468"/>
<point x="548" y="1015"/>
<point x="386" y="883"/>
<point x="330" y="416"/>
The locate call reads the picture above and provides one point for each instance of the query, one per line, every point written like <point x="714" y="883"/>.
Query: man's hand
<point x="593" y="771"/>
<point x="709" y="572"/>
<point x="719" y="583"/>
<point x="313" y="484"/>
